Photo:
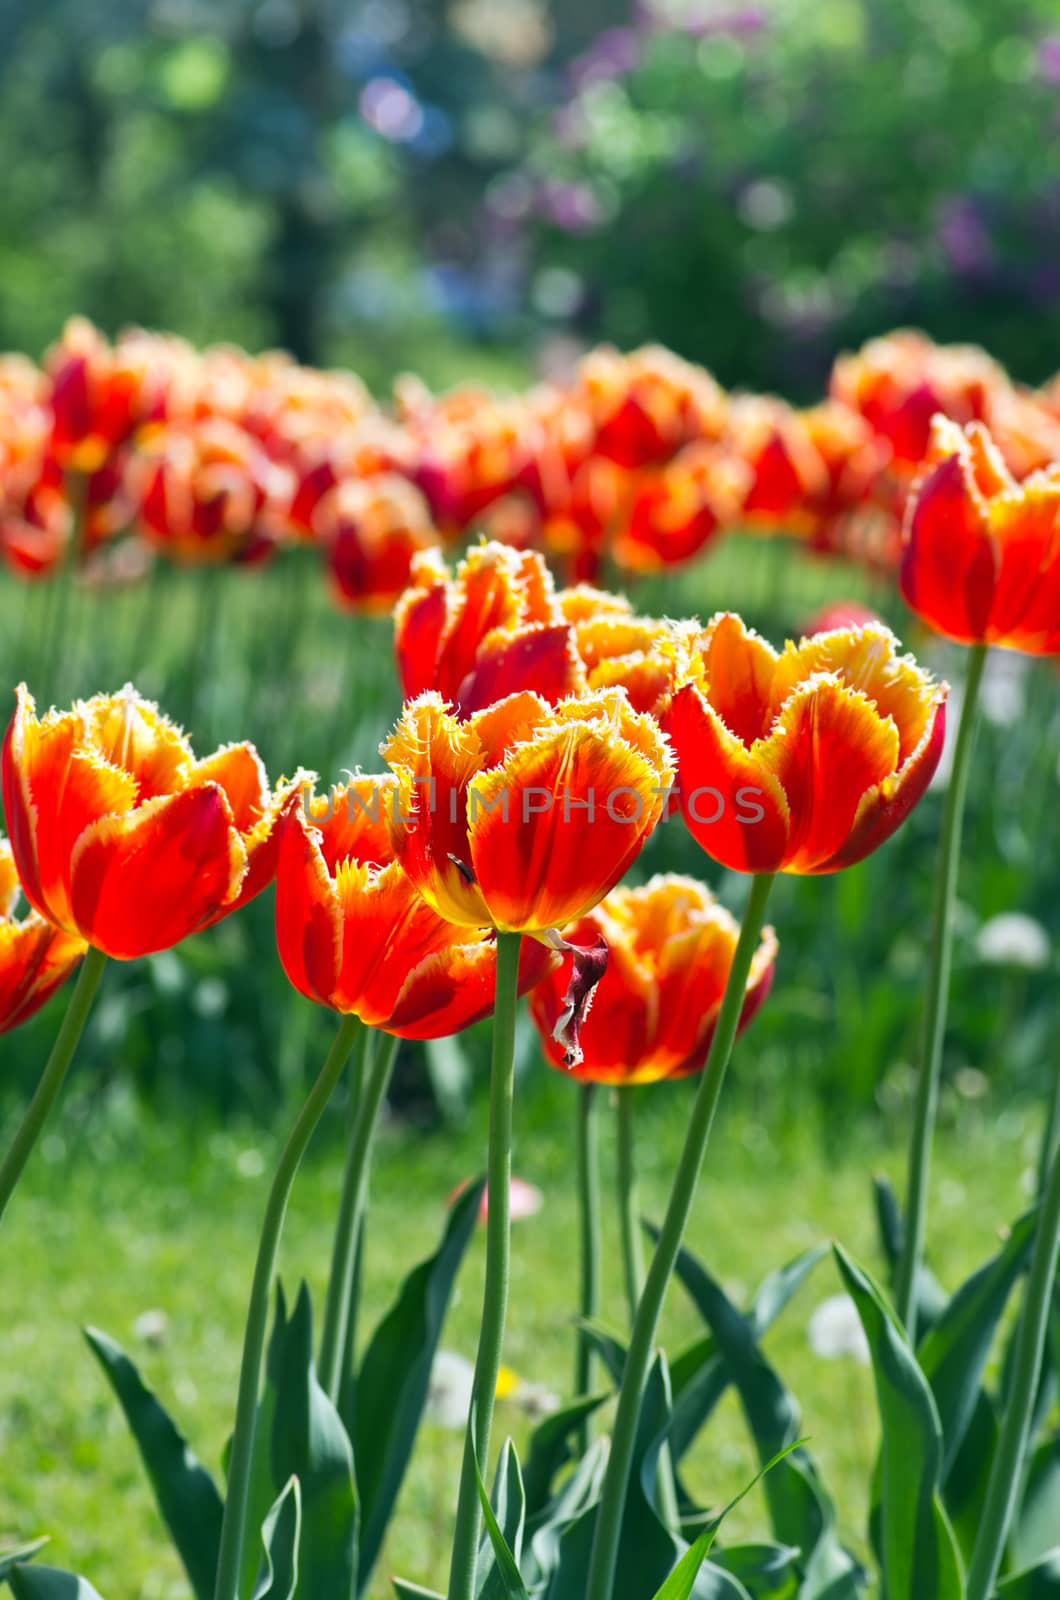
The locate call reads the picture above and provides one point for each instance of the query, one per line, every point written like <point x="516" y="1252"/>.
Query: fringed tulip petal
<point x="308" y="913"/>
<point x="830" y="748"/>
<point x="732" y="802"/>
<point x="145" y="881"/>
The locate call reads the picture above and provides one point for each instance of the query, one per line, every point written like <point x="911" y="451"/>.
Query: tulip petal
<point x="387" y="928"/>
<point x="35" y="958"/>
<point x="456" y="987"/>
<point x="732" y="802"/>
<point x="829" y="747"/>
<point x="308" y="914"/>
<point x="240" y="772"/>
<point x="9" y="884"/>
<point x="1026" y="609"/>
<point x="949" y="561"/>
<point x="144" y="881"/>
<point x="132" y="735"/>
<point x="54" y="789"/>
<point x="739" y="668"/>
<point x="540" y="657"/>
<point x="864" y="658"/>
<point x="555" y="826"/>
<point x="883" y="809"/>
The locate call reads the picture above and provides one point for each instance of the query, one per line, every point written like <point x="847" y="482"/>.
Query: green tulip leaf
<point x="188" y="1500"/>
<point x="509" y="1510"/>
<point x="310" y="1443"/>
<point x="48" y="1583"/>
<point x="919" y="1551"/>
<point x="395" y="1376"/>
<point x="20" y="1552"/>
<point x="280" y="1535"/>
<point x="506" y="1567"/>
<point x="953" y="1353"/>
<point x="551" y="1449"/>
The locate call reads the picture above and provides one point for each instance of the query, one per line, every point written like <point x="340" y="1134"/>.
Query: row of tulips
<point x="637" y="464"/>
<point x="545" y="735"/>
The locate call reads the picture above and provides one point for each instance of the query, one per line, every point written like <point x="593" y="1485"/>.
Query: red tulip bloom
<point x="354" y="934"/>
<point x="981" y="553"/>
<point x="646" y="405"/>
<point x="803" y="761"/>
<point x="491" y="629"/>
<point x="525" y="815"/>
<point x="372" y="529"/>
<point x="121" y="837"/>
<point x="100" y="393"/>
<point x="670" y="947"/>
<point x="35" y="956"/>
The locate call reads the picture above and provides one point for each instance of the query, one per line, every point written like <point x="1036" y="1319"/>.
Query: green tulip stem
<point x="339" y="1307"/>
<point x="604" y="1560"/>
<point x="589" y="1231"/>
<point x="234" y="1525"/>
<point x="938" y="985"/>
<point x="629" y="1221"/>
<point x="73" y="1026"/>
<point x="1006" y="1474"/>
<point x="498" y="1264"/>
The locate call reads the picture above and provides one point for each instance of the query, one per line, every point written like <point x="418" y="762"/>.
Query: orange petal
<point x="9" y="884"/>
<point x="54" y="789"/>
<point x="456" y="987"/>
<point x="435" y="757"/>
<point x="143" y="882"/>
<point x="308" y="914"/>
<point x="885" y="807"/>
<point x="539" y="656"/>
<point x="387" y="928"/>
<point x="864" y="658"/>
<point x="240" y="772"/>
<point x="739" y="669"/>
<point x="830" y="746"/>
<point x="731" y="800"/>
<point x="35" y="958"/>
<point x="949" y="561"/>
<point x="131" y="734"/>
<point x="353" y="820"/>
<point x="1027" y="529"/>
<point x="555" y="826"/>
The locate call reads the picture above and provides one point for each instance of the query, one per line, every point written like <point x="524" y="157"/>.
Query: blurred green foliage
<point x="372" y="183"/>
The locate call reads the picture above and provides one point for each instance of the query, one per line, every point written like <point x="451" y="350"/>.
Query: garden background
<point x="474" y="192"/>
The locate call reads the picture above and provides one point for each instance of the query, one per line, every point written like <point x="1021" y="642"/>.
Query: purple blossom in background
<point x="574" y="207"/>
<point x="616" y="52"/>
<point x="742" y="23"/>
<point x="964" y="236"/>
<point x="1049" y="58"/>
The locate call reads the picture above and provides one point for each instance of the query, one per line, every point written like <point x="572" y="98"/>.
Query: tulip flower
<point x="670" y="947"/>
<point x="647" y="404"/>
<point x="981" y="555"/>
<point x="491" y="629"/>
<point x="803" y="761"/>
<point x="99" y="393"/>
<point x="205" y="491"/>
<point x="121" y="837"/>
<point x="354" y="934"/>
<point x="35" y="956"/>
<point x="525" y="815"/>
<point x="900" y="381"/>
<point x="372" y="530"/>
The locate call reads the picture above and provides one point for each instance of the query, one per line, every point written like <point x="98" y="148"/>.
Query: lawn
<point x="123" y="1214"/>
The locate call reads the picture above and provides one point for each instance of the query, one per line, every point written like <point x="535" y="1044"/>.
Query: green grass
<point x="121" y="1214"/>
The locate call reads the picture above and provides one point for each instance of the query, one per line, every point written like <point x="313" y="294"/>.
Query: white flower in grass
<point x="449" y="1394"/>
<point x="835" y="1331"/>
<point x="1014" y="940"/>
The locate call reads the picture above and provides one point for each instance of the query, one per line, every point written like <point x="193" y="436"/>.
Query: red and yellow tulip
<point x="121" y="837"/>
<point x="524" y="815"/>
<point x="803" y="761"/>
<point x="981" y="553"/>
<point x="670" y="947"/>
